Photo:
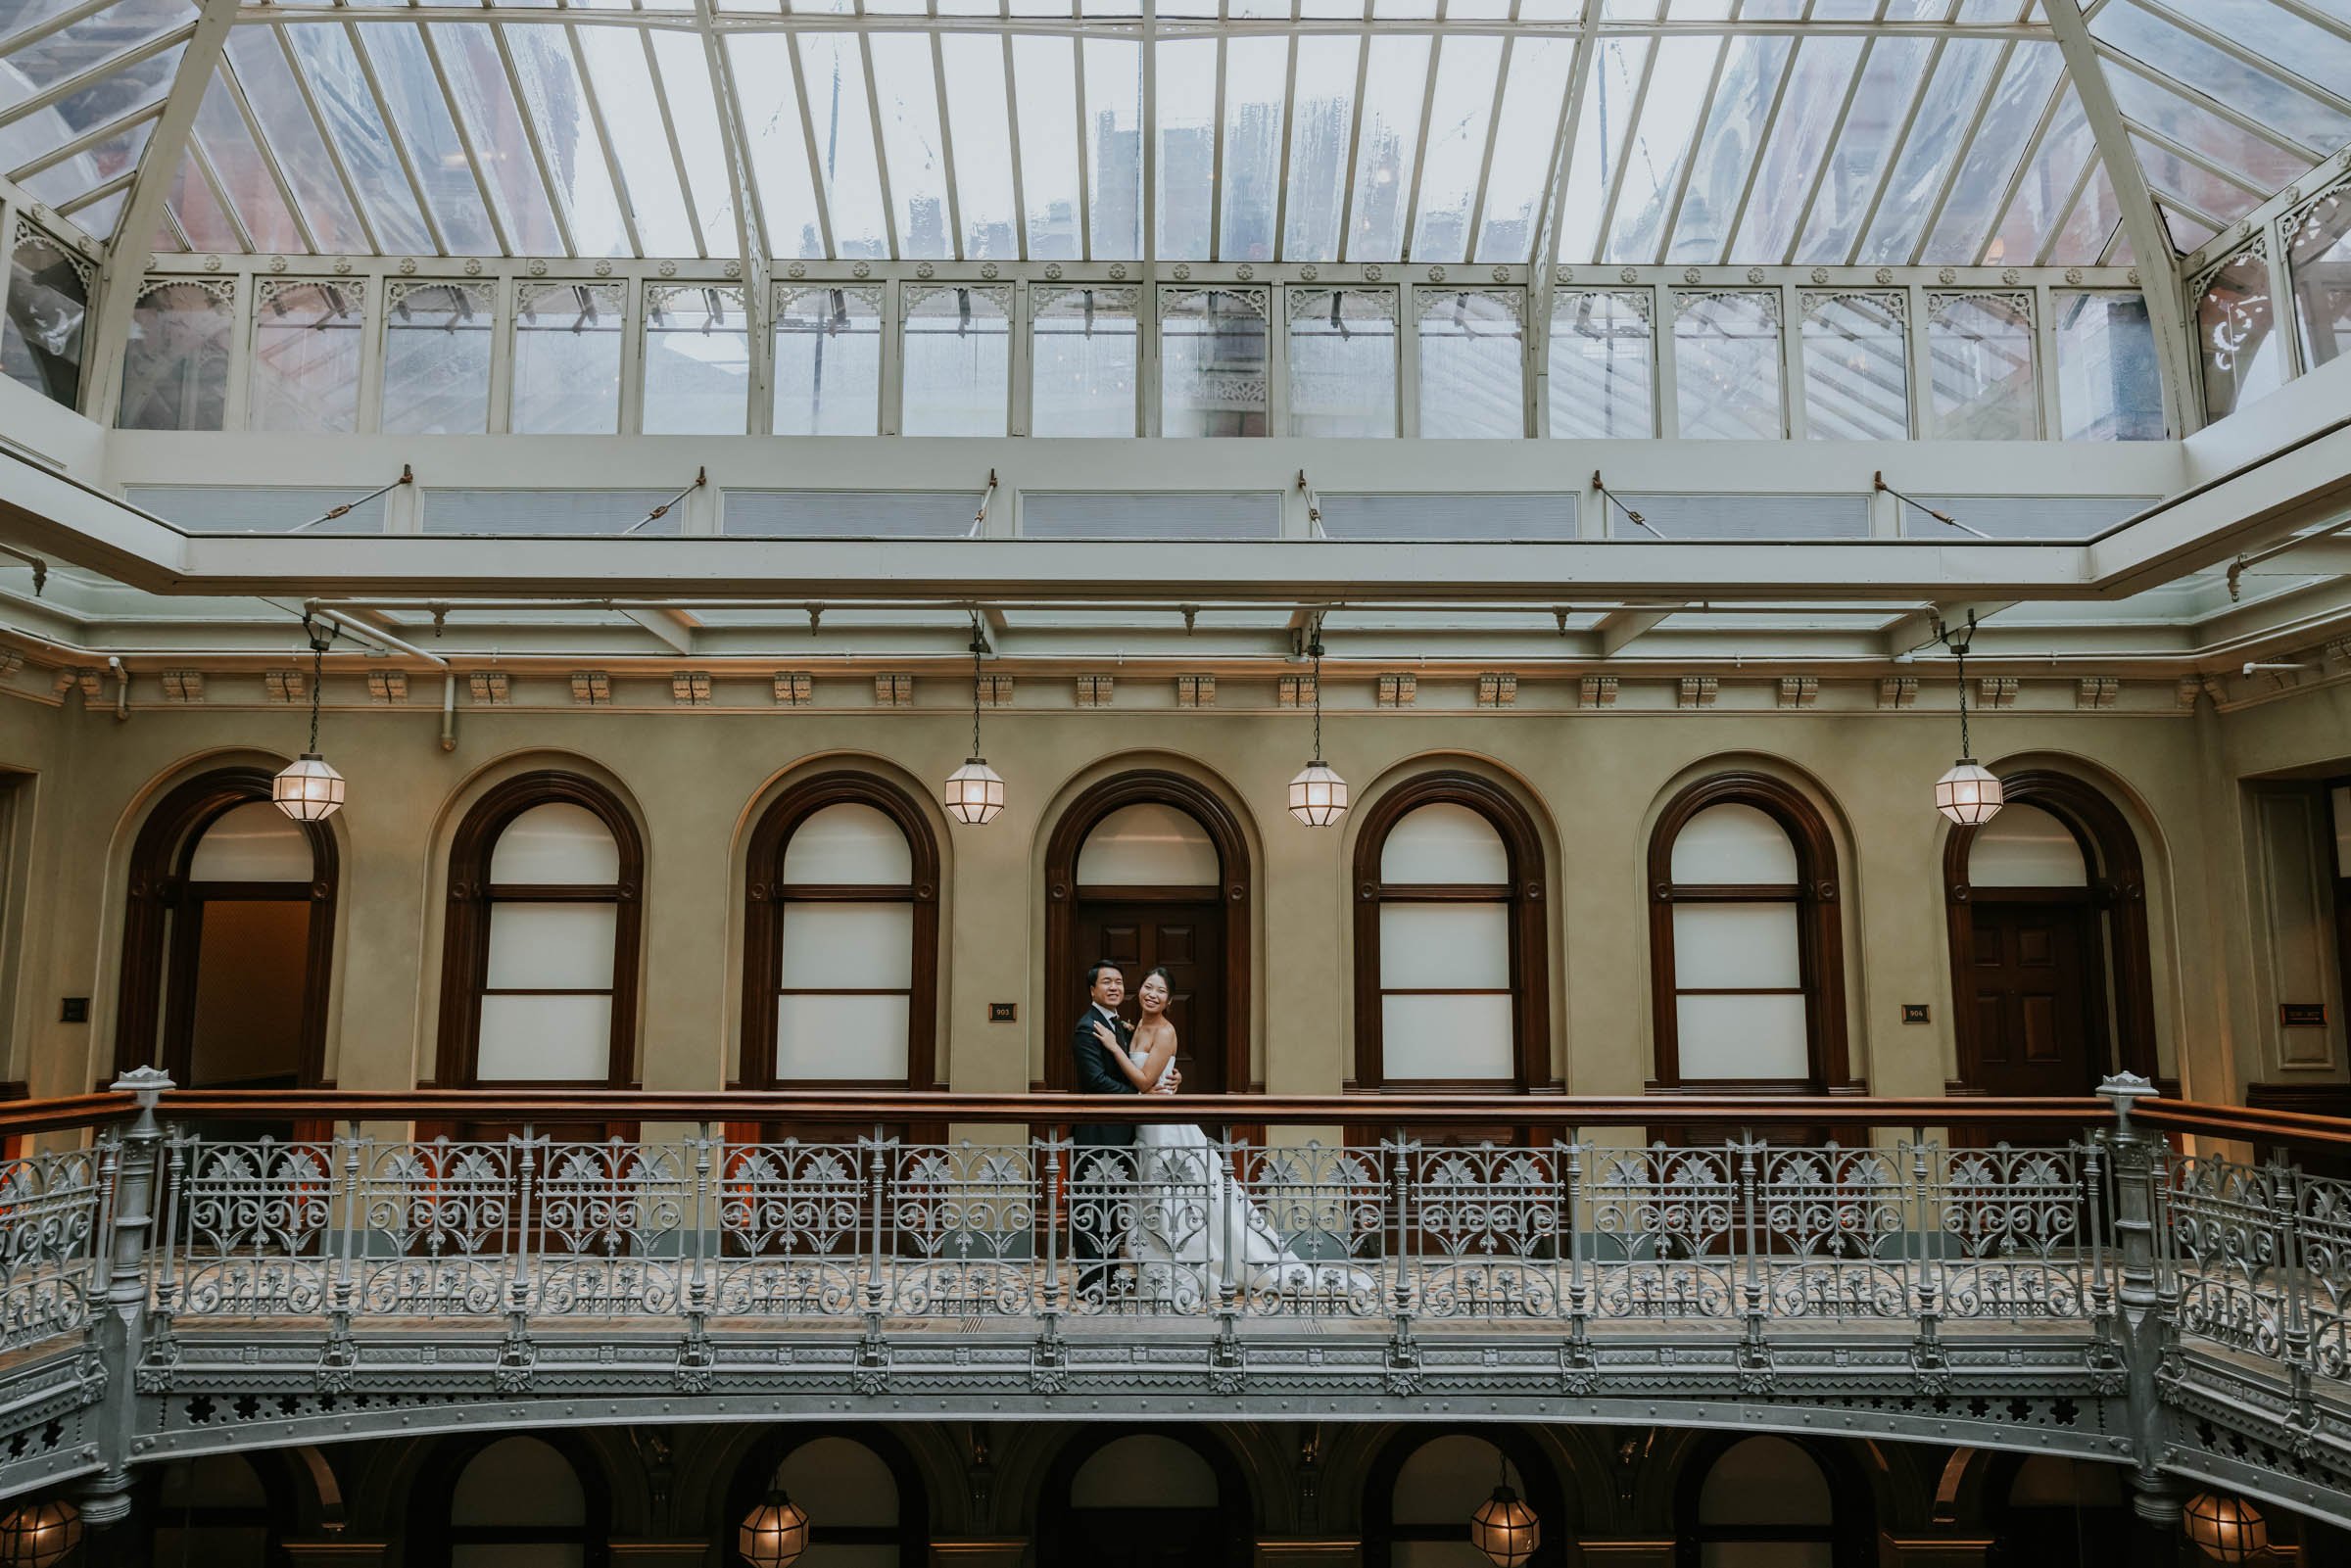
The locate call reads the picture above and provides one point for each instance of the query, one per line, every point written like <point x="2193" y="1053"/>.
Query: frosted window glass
<point x="2025" y="846"/>
<point x="841" y="1037"/>
<point x="518" y="1481"/>
<point x="567" y="358"/>
<point x="2319" y="249"/>
<point x="1443" y="843"/>
<point x="1733" y="843"/>
<point x="1213" y="362"/>
<point x="1144" y="1471"/>
<point x="1727" y="946"/>
<point x="1857" y="367"/>
<point x="857" y="1486"/>
<point x="2237" y="326"/>
<point x="437" y="359"/>
<point x="828" y="368"/>
<point x="1445" y="1481"/>
<point x="1726" y="355"/>
<point x="1765" y="1481"/>
<point x="558" y="842"/>
<point x="1742" y="1036"/>
<point x="551" y="1040"/>
<point x="1444" y="946"/>
<point x="255" y="843"/>
<point x="1342" y="362"/>
<point x="958" y="361"/>
<point x="849" y="844"/>
<point x="175" y="366"/>
<point x="306" y="356"/>
<point x="1472" y="364"/>
<point x="1446" y="1036"/>
<point x="1599" y="365"/>
<point x="1980" y="368"/>
<point x="1083" y="361"/>
<point x="1148" y="845"/>
<point x="847" y="947"/>
<point x="551" y="947"/>
<point x="698" y="361"/>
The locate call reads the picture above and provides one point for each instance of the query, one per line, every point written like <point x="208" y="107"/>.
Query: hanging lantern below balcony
<point x="2226" y="1529"/>
<point x="1505" y="1529"/>
<point x="775" y="1532"/>
<point x="36" y="1534"/>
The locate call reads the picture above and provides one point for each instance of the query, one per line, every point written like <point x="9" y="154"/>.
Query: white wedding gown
<point x="1195" y="1230"/>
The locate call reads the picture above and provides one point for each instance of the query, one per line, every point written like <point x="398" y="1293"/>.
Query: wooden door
<point x="1186" y="937"/>
<point x="2037" y="992"/>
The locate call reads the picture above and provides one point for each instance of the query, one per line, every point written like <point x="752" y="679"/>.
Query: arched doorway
<point x="1423" y="1486"/>
<point x="861" y="1489"/>
<point x="2048" y="931"/>
<point x="495" y="1502"/>
<point x="1150" y="870"/>
<point x="228" y="937"/>
<point x="1143" y="1500"/>
<point x="2046" y="1510"/>
<point x="1769" y="1502"/>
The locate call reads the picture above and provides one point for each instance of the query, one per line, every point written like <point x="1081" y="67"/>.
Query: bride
<point x="1195" y="1229"/>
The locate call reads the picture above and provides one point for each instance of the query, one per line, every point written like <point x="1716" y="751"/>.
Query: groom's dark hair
<point x="1094" y="973"/>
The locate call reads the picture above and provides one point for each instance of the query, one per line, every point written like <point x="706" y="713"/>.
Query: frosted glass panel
<point x="1149" y="845"/>
<point x="556" y="843"/>
<point x="253" y="843"/>
<point x="1443" y="843"/>
<point x="848" y="946"/>
<point x="2025" y="846"/>
<point x="857" y="1485"/>
<point x="546" y="1038"/>
<point x="518" y="1481"/>
<point x="1444" y="946"/>
<point x="1733" y="844"/>
<point x="1446" y="1036"/>
<point x="1765" y="1481"/>
<point x="841" y="1037"/>
<point x="849" y="844"/>
<point x="1445" y="1481"/>
<point x="1742" y="1036"/>
<point x="551" y="947"/>
<point x="1723" y="946"/>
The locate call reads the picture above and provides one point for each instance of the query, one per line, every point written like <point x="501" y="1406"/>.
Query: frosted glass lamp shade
<point x="775" y="1532"/>
<point x="974" y="794"/>
<point x="40" y="1534"/>
<point x="307" y="788"/>
<point x="1505" y="1529"/>
<point x="1970" y="794"/>
<point x="2226" y="1529"/>
<point x="1318" y="796"/>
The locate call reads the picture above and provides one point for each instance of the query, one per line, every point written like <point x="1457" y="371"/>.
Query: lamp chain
<point x="978" y="644"/>
<point x="318" y="647"/>
<point x="1315" y="648"/>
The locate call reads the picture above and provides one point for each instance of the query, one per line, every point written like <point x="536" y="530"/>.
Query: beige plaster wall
<point x="697" y="778"/>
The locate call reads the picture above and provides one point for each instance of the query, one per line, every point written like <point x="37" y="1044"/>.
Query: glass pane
<point x="567" y="137"/>
<point x="86" y="45"/>
<point x="1742" y="1036"/>
<point x="105" y="100"/>
<point x="832" y="76"/>
<point x="493" y="120"/>
<point x="828" y="370"/>
<point x="1187" y="146"/>
<point x="1472" y="364"/>
<point x="1601" y="365"/>
<point x="567" y="358"/>
<point x="40" y="338"/>
<point x="2253" y="160"/>
<point x="1395" y="83"/>
<point x="907" y="90"/>
<point x="2271" y="33"/>
<point x="1969" y="208"/>
<point x="1848" y="180"/>
<point x="958" y="360"/>
<point x="1444" y="947"/>
<point x="305" y="355"/>
<point x="1726" y="148"/>
<point x="760" y="65"/>
<point x="1951" y="98"/>
<point x="847" y="947"/>
<point x="1732" y="845"/>
<point x="1148" y="846"/>
<point x="2046" y="187"/>
<point x="1342" y="361"/>
<point x="1444" y="843"/>
<point x="1083" y="361"/>
<point x="1648" y="175"/>
<point x="2025" y="846"/>
<point x="1114" y="139"/>
<point x="1256" y="82"/>
<point x="1616" y="70"/>
<point x="175" y="366"/>
<point x="331" y="69"/>
<point x="1321" y="123"/>
<point x="255" y="843"/>
<point x="437" y="358"/>
<point x="1857" y="367"/>
<point x="1765" y="1481"/>
<point x="1980" y="359"/>
<point x="1521" y="173"/>
<point x="698" y="369"/>
<point x="983" y="130"/>
<point x="1446" y="1036"/>
<point x="1792" y="160"/>
<point x="420" y="118"/>
<point x="2319" y="248"/>
<point x="1212" y="345"/>
<point x="551" y="947"/>
<point x="2108" y="384"/>
<point x="648" y="172"/>
<point x="1460" y="109"/>
<point x="1726" y="358"/>
<point x="1045" y="83"/>
<point x="543" y="1039"/>
<point x="556" y="843"/>
<point x="294" y="136"/>
<point x="685" y="79"/>
<point x="1734" y="946"/>
<point x="847" y="845"/>
<point x="2096" y="220"/>
<point x="819" y="1037"/>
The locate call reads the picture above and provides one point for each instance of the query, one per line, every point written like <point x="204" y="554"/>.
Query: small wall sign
<point x="1915" y="1013"/>
<point x="2302" y="1015"/>
<point x="1003" y="1012"/>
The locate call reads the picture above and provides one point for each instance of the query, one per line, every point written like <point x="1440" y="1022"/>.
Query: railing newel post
<point x="2155" y="1501"/>
<point x="121" y="1343"/>
<point x="517" y="1355"/>
<point x="1752" y="1284"/>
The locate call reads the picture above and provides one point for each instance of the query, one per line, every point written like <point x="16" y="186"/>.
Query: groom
<point x="1104" y="1165"/>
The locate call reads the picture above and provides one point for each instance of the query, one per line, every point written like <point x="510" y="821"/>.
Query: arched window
<point x="539" y="975"/>
<point x="862" y="1494"/>
<point x="1450" y="979"/>
<point x="1766" y="1502"/>
<point x="1421" y="1489"/>
<point x="228" y="938"/>
<point x="841" y="925"/>
<point x="1746" y="957"/>
<point x="2047" y="1510"/>
<point x="225" y="1510"/>
<point x="510" y="1500"/>
<point x="1181" y="1492"/>
<point x="2052" y="988"/>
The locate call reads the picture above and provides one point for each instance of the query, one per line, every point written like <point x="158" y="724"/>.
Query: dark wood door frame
<point x="1203" y="908"/>
<point x="160" y="858"/>
<point x="1064" y="984"/>
<point x="2118" y="898"/>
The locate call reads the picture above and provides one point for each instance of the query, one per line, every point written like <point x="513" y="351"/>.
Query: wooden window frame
<point x="157" y="959"/>
<point x="473" y="897"/>
<point x="1820" y="934"/>
<point x="1522" y="896"/>
<point x="2117" y="894"/>
<point x="766" y="897"/>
